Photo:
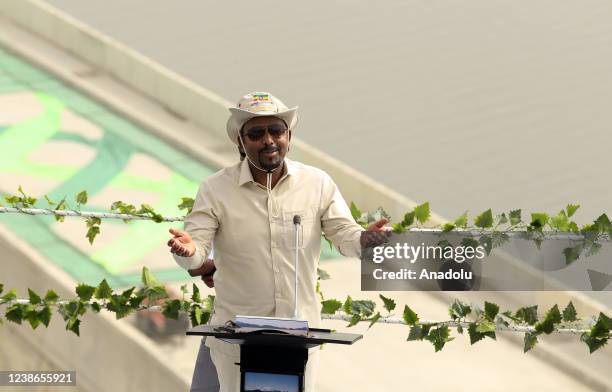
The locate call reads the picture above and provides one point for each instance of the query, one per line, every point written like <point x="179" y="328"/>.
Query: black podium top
<point x="315" y="337"/>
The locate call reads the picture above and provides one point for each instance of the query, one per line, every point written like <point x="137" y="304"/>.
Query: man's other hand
<point x="181" y="244"/>
<point x="206" y="271"/>
<point x="375" y="234"/>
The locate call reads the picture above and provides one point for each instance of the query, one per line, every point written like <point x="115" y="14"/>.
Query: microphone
<point x="297" y="220"/>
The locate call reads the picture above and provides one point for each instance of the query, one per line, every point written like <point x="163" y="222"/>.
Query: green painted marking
<point x="20" y="139"/>
<point x="75" y="101"/>
<point x="112" y="155"/>
<point x="152" y="145"/>
<point x="142" y="238"/>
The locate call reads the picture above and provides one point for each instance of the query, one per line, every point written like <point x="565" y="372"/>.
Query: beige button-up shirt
<point x="255" y="238"/>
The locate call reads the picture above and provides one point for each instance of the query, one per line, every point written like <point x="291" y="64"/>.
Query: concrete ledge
<point x="137" y="366"/>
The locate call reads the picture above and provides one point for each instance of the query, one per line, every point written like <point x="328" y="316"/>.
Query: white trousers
<point x="225" y="359"/>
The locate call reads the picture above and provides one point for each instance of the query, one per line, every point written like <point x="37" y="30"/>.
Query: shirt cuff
<point x="191" y="262"/>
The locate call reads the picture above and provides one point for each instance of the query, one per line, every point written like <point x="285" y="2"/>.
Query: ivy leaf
<point x="515" y="217"/>
<point x="61" y="206"/>
<point x="186" y="204"/>
<point x="11" y="295"/>
<point x="572" y="226"/>
<point x="96" y="307"/>
<point x="14" y="313"/>
<point x="85" y="291"/>
<point x="408" y="219"/>
<point x="73" y="325"/>
<point x="476" y="336"/>
<point x="422" y="213"/>
<point x="599" y="333"/>
<point x="502" y="219"/>
<point x="484" y="220"/>
<point x="388" y="303"/>
<point x="418" y="332"/>
<point x="103" y="291"/>
<point x="32" y="316"/>
<point x="529" y="341"/>
<point x="81" y="197"/>
<point x="459" y="310"/>
<point x="398" y="228"/>
<point x="499" y="239"/>
<point x="593" y="343"/>
<point x="485" y="327"/>
<point x="348" y="305"/>
<point x="447" y="227"/>
<point x="528" y="314"/>
<point x="552" y="317"/>
<point x="572" y="254"/>
<point x="363" y="307"/>
<point x="51" y="296"/>
<point x="147" y="278"/>
<point x="410" y="317"/>
<point x="119" y="304"/>
<point x="569" y="313"/>
<point x="491" y="310"/>
<point x="195" y="296"/>
<point x="1" y="288"/>
<point x="462" y="220"/>
<point x="374" y="319"/>
<point x="330" y="306"/>
<point x="50" y="202"/>
<point x="34" y="298"/>
<point x="538" y="220"/>
<point x="560" y="221"/>
<point x="355" y="212"/>
<point x="92" y="233"/>
<point x="44" y="316"/>
<point x="469" y="242"/>
<point x="195" y="315"/>
<point x="593" y="249"/>
<point x="538" y="242"/>
<point x="171" y="309"/>
<point x="322" y="274"/>
<point x="571" y="209"/>
<point x="354" y="320"/>
<point x="439" y="336"/>
<point x="148" y="210"/>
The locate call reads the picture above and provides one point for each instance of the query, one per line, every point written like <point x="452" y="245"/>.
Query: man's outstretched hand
<point x="181" y="244"/>
<point x="375" y="234"/>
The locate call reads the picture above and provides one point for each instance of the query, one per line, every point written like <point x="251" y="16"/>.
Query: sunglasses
<point x="257" y="132"/>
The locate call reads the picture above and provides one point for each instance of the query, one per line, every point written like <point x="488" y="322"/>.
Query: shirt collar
<point x="246" y="175"/>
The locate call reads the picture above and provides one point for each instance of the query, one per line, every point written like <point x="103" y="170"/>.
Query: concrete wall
<point x="109" y="355"/>
<point x="181" y="96"/>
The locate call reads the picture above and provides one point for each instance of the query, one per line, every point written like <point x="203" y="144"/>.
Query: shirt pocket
<point x="304" y="229"/>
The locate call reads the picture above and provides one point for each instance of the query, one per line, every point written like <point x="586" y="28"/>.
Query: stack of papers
<point x="283" y="325"/>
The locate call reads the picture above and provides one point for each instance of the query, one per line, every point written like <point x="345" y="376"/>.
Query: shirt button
<point x="276" y="269"/>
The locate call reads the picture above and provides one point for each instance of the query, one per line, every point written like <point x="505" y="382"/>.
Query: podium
<point x="271" y="360"/>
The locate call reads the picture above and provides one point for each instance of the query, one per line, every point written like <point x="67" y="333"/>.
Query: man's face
<point x="266" y="140"/>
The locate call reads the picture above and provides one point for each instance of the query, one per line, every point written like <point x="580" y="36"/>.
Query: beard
<point x="270" y="163"/>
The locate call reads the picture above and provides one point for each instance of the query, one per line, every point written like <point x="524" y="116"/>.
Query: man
<point x="249" y="209"/>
